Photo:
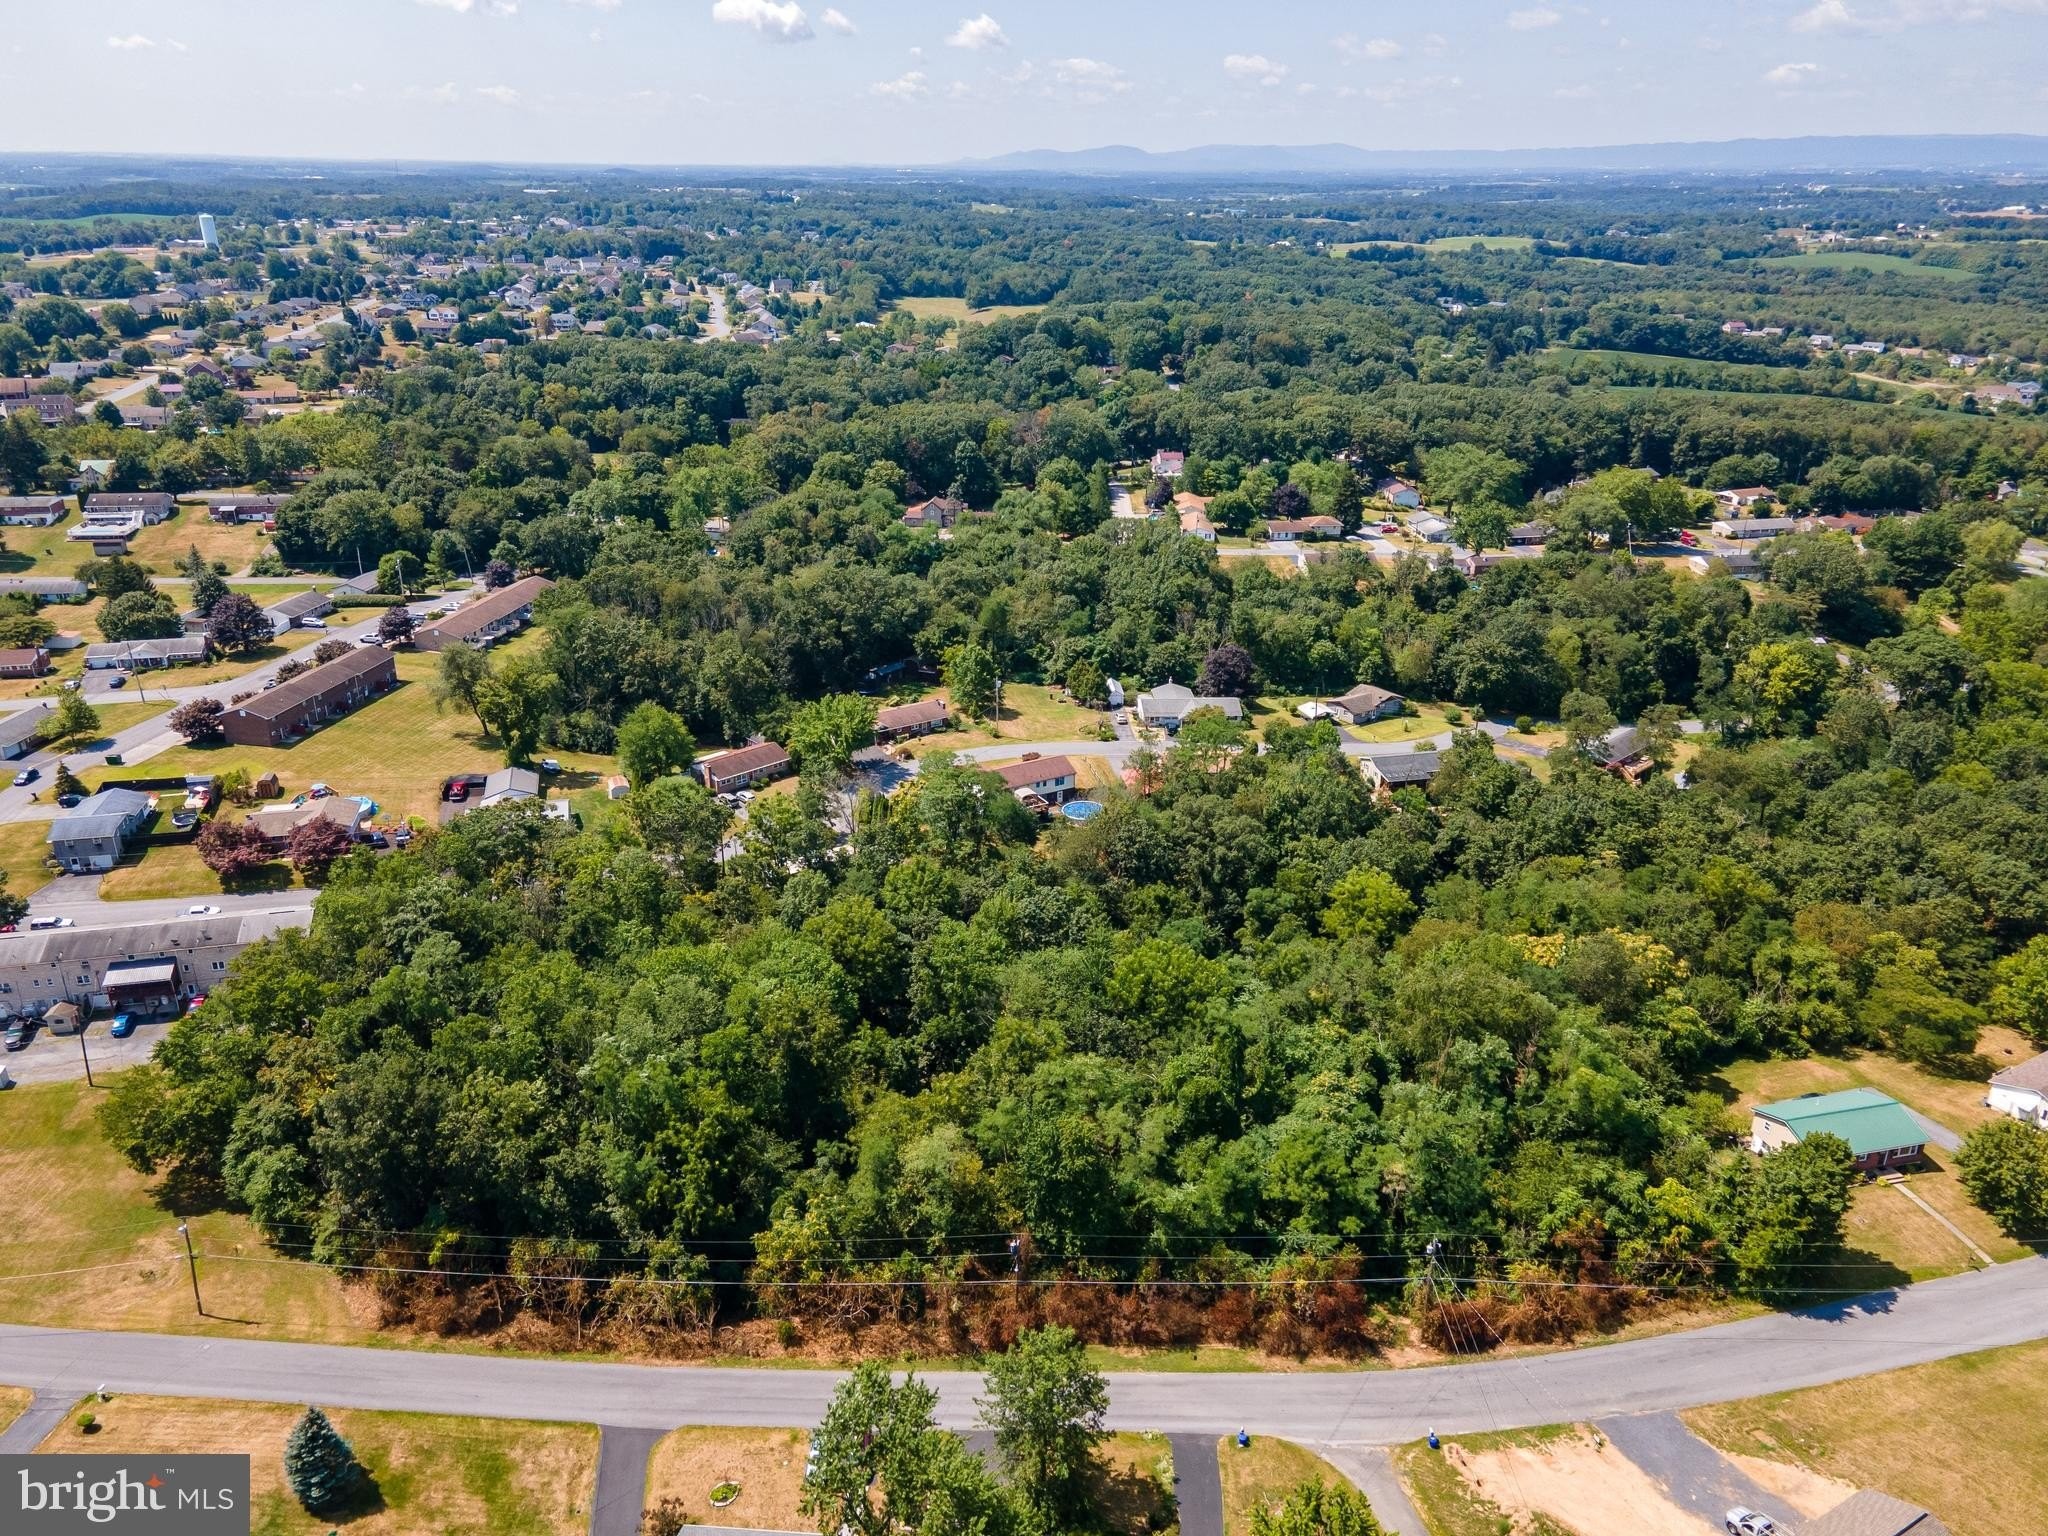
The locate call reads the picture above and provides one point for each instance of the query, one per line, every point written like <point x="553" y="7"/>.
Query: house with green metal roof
<point x="1878" y="1130"/>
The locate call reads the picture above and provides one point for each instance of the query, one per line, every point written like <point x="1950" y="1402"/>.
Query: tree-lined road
<point x="2007" y="1304"/>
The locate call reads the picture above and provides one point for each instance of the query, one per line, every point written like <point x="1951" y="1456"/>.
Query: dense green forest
<point x="1224" y="1061"/>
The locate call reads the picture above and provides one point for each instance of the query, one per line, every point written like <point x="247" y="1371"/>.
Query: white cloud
<point x="1090" y="79"/>
<point x="780" y="21"/>
<point x="476" y="7"/>
<point x="1534" y="19"/>
<point x="1254" y="66"/>
<point x="1410" y="88"/>
<point x="1573" y="92"/>
<point x="1434" y="43"/>
<point x="1788" y="76"/>
<point x="1352" y="46"/>
<point x="599" y="5"/>
<point x="1897" y="15"/>
<point x="979" y="35"/>
<point x="503" y="95"/>
<point x="835" y="20"/>
<point x="904" y="87"/>
<point x="442" y="95"/>
<point x="131" y="42"/>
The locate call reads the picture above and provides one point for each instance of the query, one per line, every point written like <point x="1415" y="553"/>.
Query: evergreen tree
<point x="320" y="1466"/>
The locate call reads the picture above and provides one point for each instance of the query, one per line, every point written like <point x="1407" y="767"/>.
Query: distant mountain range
<point x="2010" y="153"/>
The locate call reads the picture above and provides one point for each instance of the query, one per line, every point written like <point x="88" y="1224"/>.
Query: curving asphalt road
<point x="2007" y="1304"/>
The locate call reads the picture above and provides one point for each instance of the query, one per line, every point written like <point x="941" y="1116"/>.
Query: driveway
<point x="1691" y="1472"/>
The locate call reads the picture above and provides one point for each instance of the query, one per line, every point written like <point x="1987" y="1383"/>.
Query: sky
<point x="790" y="82"/>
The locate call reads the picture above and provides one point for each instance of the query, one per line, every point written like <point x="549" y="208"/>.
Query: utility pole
<point x="192" y="1265"/>
<point x="84" y="1057"/>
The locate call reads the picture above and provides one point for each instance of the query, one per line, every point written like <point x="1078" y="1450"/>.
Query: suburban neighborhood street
<point x="2007" y="1304"/>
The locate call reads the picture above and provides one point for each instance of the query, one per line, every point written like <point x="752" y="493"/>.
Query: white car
<point x="1747" y="1522"/>
<point x="202" y="910"/>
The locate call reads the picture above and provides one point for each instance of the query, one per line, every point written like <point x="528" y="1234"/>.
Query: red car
<point x="458" y="792"/>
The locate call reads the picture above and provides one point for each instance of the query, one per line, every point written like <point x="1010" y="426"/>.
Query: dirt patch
<point x="1811" y="1493"/>
<point x="1577" y="1480"/>
<point x="767" y="1464"/>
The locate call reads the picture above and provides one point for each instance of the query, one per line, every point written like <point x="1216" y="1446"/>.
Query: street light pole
<point x="192" y="1265"/>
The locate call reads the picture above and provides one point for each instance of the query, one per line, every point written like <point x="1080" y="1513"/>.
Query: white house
<point x="2022" y="1091"/>
<point x="1399" y="492"/>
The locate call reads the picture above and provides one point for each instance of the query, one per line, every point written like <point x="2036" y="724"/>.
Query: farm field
<point x="1929" y="1444"/>
<point x="428" y="1475"/>
<point x="1867" y="261"/>
<point x="957" y="310"/>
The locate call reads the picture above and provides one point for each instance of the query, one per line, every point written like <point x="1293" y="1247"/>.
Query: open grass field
<point x="429" y="1475"/>
<point x="44" y="549"/>
<point x="163" y="548"/>
<point x="175" y="869"/>
<point x="1442" y="244"/>
<point x="23" y="847"/>
<point x="226" y="669"/>
<point x="111" y="1223"/>
<point x="1966" y="1438"/>
<point x="957" y="311"/>
<point x="117" y="717"/>
<point x="768" y="1465"/>
<point x="396" y="750"/>
<point x="13" y="1402"/>
<point x="1031" y="712"/>
<point x="1260" y="1475"/>
<point x="1867" y="261"/>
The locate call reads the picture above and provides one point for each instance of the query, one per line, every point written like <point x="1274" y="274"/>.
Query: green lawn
<point x="45" y="551"/>
<point x="1031" y="712"/>
<point x="1886" y="1236"/>
<point x="1260" y="1475"/>
<point x="13" y="1401"/>
<point x="428" y="1475"/>
<point x="1867" y="261"/>
<point x="23" y="847"/>
<point x="396" y="750"/>
<point x="1965" y="1438"/>
<point x="163" y="548"/>
<point x="114" y="1225"/>
<point x="175" y="869"/>
<point x="957" y="311"/>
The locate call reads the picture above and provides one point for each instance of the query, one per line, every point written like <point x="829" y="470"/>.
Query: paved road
<point x="1371" y="1468"/>
<point x="2004" y="1305"/>
<point x="1691" y="1472"/>
<point x="77" y="897"/>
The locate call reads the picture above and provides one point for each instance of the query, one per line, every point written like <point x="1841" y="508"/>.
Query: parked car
<point x="47" y="921"/>
<point x="194" y="1001"/>
<point x="123" y="1026"/>
<point x="71" y="685"/>
<point x="203" y="909"/>
<point x="312" y="623"/>
<point x="1747" y="1522"/>
<point x="17" y="1035"/>
<point x="118" y="680"/>
<point x="550" y="765"/>
<point x="370" y="640"/>
<point x="68" y="801"/>
<point x="27" y="776"/>
<point x="458" y="791"/>
<point x="1390" y="527"/>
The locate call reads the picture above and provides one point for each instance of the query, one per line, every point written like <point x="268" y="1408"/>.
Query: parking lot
<point x="49" y="1058"/>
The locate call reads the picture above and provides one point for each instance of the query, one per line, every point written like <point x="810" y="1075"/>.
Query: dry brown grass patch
<point x="768" y="1465"/>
